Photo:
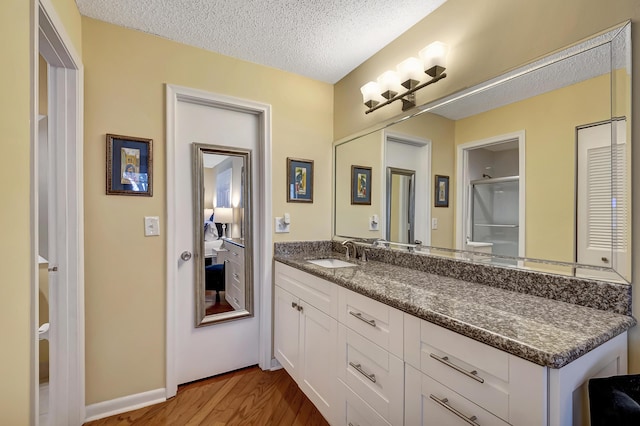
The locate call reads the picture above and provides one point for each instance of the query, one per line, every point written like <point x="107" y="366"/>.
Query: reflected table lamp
<point x="224" y="215"/>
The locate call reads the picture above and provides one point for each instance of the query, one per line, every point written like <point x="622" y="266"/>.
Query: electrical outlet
<point x="151" y="226"/>
<point x="434" y="223"/>
<point x="281" y="226"/>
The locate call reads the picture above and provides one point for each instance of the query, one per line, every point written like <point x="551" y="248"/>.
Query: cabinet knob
<point x="294" y="305"/>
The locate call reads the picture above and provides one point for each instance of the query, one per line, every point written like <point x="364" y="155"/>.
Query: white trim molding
<point x="66" y="216"/>
<point x="123" y="404"/>
<point x="174" y="94"/>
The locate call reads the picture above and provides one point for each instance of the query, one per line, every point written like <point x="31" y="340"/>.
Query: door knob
<point x="186" y="255"/>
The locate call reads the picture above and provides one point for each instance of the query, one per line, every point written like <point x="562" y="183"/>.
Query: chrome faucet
<point x="352" y="243"/>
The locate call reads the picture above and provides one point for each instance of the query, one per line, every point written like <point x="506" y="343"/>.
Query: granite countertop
<point x="547" y="332"/>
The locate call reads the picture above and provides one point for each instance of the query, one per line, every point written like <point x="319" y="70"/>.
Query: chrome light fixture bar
<point x="409" y="73"/>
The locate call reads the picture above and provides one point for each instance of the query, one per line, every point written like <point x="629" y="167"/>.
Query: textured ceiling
<point x="320" y="39"/>
<point x="570" y="66"/>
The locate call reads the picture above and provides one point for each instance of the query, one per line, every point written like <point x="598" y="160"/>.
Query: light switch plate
<point x="151" y="226"/>
<point x="281" y="227"/>
<point x="373" y="223"/>
<point x="434" y="223"/>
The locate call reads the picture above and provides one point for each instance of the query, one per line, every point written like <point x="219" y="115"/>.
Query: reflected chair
<point x="214" y="279"/>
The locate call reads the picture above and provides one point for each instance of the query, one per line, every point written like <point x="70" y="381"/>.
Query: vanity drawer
<point x="234" y="293"/>
<point x="376" y="321"/>
<point x="234" y="253"/>
<point x="356" y="412"/>
<point x="317" y="292"/>
<point x="372" y="373"/>
<point x="234" y="271"/>
<point x="447" y="408"/>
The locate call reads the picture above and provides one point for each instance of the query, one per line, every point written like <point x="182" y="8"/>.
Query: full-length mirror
<point x="531" y="169"/>
<point x="223" y="249"/>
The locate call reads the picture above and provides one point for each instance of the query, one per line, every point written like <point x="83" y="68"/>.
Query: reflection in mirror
<point x="223" y="253"/>
<point x="401" y="196"/>
<point x="570" y="212"/>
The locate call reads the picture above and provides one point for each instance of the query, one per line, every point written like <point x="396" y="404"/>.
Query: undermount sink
<point x="331" y="263"/>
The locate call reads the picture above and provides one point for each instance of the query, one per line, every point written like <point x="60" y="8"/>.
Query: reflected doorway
<point x="401" y="196"/>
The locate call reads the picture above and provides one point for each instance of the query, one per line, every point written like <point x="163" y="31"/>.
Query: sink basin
<point x="331" y="263"/>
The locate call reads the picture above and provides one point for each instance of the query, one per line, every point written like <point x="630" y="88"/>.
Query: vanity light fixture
<point x="409" y="74"/>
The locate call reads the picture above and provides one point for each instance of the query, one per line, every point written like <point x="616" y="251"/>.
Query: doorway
<point x="57" y="213"/>
<point x="202" y="117"/>
<point x="408" y="158"/>
<point x="490" y="198"/>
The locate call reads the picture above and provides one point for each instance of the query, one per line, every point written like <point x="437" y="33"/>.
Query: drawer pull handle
<point x="445" y="360"/>
<point x="359" y="369"/>
<point x="236" y="276"/>
<point x="234" y="253"/>
<point x="443" y="403"/>
<point x="358" y="315"/>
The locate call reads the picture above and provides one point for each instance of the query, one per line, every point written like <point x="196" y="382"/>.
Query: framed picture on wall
<point x="441" y="193"/>
<point x="129" y="166"/>
<point x="361" y="185"/>
<point x="299" y="180"/>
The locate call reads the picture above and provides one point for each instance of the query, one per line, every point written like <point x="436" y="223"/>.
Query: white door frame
<point x="392" y="136"/>
<point x="264" y="236"/>
<point x="65" y="94"/>
<point x="462" y="185"/>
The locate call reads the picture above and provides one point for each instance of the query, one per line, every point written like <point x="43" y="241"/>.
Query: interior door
<point x="602" y="214"/>
<point x="206" y="351"/>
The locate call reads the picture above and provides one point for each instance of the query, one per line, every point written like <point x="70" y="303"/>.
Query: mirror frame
<point x="604" y="37"/>
<point x="198" y="152"/>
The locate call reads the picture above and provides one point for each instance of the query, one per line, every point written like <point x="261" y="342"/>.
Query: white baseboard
<point x="123" y="404"/>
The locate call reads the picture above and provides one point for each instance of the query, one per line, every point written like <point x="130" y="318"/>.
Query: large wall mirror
<point x="533" y="166"/>
<point x="223" y="249"/>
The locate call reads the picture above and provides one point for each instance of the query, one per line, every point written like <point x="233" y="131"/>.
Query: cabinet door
<point x="286" y="331"/>
<point x="318" y="346"/>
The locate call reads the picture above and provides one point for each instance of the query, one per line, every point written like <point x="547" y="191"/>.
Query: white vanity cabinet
<point x="306" y="335"/>
<point x="362" y="362"/>
<point x="451" y="379"/>
<point x="234" y="280"/>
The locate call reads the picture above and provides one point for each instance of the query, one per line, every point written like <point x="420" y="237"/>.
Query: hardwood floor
<point x="245" y="397"/>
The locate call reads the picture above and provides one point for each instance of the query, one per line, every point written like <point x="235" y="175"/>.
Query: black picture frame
<point x="361" y="185"/>
<point x="299" y="180"/>
<point x="129" y="165"/>
<point x="441" y="192"/>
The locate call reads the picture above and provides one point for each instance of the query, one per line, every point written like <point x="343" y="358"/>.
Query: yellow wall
<point x="353" y="219"/>
<point x="487" y="38"/>
<point x="549" y="122"/>
<point x="71" y="20"/>
<point x="15" y="252"/>
<point x="125" y="73"/>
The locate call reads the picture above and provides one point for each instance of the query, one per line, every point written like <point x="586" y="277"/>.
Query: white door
<point x="602" y="213"/>
<point x="222" y="347"/>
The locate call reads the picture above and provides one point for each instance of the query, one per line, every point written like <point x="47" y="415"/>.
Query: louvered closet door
<point x="602" y="210"/>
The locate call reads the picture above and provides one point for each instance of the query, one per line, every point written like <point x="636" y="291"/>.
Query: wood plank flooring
<point x="244" y="397"/>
